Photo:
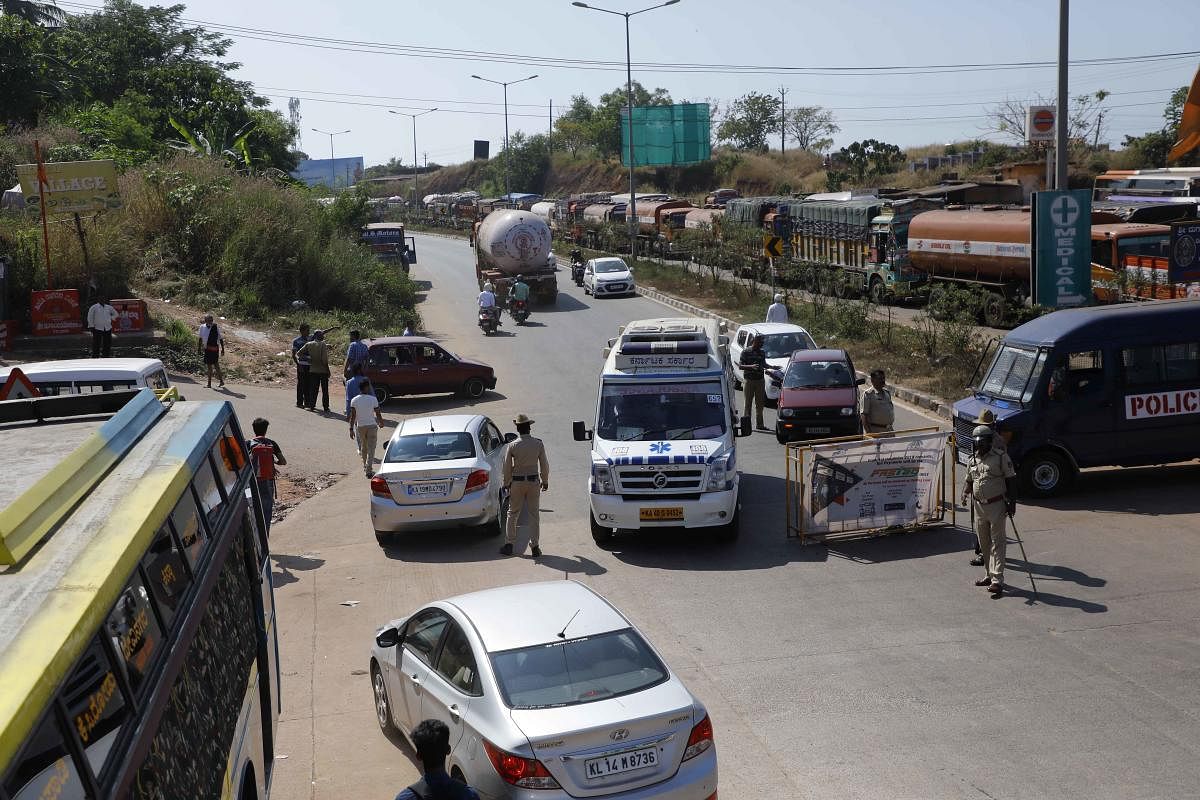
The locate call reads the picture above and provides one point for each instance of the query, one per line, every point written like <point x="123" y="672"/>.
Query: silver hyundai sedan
<point x="549" y="693"/>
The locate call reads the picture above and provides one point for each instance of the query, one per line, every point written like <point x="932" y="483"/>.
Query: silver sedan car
<point x="549" y="692"/>
<point x="440" y="472"/>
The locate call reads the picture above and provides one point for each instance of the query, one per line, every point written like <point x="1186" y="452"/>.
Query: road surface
<point x="861" y="669"/>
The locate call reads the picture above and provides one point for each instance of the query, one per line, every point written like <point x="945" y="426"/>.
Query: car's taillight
<point x="379" y="487"/>
<point x="528" y="773"/>
<point x="700" y="740"/>
<point x="477" y="480"/>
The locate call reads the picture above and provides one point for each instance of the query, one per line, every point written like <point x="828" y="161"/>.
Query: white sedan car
<point x="549" y="693"/>
<point x="606" y="277"/>
<point x="440" y="472"/>
<point x="780" y="340"/>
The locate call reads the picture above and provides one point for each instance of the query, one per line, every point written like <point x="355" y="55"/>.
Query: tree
<point x="44" y="14"/>
<point x="394" y="166"/>
<point x="604" y="128"/>
<point x="749" y="120"/>
<point x="572" y="135"/>
<point x="811" y="127"/>
<point x="869" y="158"/>
<point x="528" y="164"/>
<point x="1151" y="149"/>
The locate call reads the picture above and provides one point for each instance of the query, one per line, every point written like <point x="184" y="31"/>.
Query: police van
<point x="663" y="445"/>
<point x="1093" y="387"/>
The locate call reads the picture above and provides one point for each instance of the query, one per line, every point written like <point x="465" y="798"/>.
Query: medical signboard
<point x="1162" y="404"/>
<point x="1062" y="248"/>
<point x="873" y="483"/>
<point x="332" y="172"/>
<point x="71" y="187"/>
<point x="1184" y="264"/>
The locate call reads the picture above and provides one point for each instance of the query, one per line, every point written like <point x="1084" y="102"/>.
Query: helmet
<point x="986" y="417"/>
<point x="521" y="277"/>
<point x="982" y="431"/>
<point x="487" y="287"/>
<point x="778" y="298"/>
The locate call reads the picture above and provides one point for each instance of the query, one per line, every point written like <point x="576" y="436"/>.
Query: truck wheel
<point x="1045" y="473"/>
<point x="937" y="302"/>
<point x="473" y="388"/>
<point x="993" y="310"/>
<point x="600" y="534"/>
<point x="877" y="294"/>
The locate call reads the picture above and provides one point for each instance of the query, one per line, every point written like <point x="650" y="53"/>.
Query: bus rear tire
<point x="993" y="310"/>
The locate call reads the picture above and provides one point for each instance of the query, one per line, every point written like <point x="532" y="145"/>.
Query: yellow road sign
<point x="772" y="247"/>
<point x="72" y="187"/>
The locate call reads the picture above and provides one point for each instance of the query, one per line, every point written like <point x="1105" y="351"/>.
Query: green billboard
<point x="1062" y="248"/>
<point x="667" y="136"/>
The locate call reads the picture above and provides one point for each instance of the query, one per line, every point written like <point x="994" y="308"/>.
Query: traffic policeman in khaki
<point x="988" y="420"/>
<point x="875" y="408"/>
<point x="991" y="485"/>
<point x="526" y="476"/>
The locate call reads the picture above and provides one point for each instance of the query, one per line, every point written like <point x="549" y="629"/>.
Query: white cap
<point x="778" y="298"/>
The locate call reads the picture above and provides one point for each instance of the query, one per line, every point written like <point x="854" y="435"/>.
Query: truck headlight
<point x="787" y="412"/>
<point x="848" y="411"/>
<point x="720" y="474"/>
<point x="602" y="479"/>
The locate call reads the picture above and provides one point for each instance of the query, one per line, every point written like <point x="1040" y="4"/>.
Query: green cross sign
<point x="1062" y="253"/>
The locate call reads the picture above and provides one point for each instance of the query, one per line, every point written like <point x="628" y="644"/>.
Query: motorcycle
<point x="577" y="271"/>
<point x="519" y="311"/>
<point x="489" y="320"/>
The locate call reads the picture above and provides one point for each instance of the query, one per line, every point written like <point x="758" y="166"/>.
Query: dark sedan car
<point x="399" y="365"/>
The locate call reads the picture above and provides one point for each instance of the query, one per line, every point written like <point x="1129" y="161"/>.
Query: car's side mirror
<point x="580" y="431"/>
<point x="744" y="428"/>
<point x="388" y="637"/>
<point x="860" y="381"/>
<point x="510" y="437"/>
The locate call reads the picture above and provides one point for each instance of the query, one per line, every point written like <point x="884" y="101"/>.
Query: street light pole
<point x="332" y="167"/>
<point x="414" y="124"/>
<point x="1062" y="166"/>
<point x="506" y="84"/>
<point x="631" y="209"/>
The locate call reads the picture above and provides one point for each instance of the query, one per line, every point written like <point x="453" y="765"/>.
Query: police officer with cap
<point x="526" y="476"/>
<point x="988" y="419"/>
<point x="991" y="485"/>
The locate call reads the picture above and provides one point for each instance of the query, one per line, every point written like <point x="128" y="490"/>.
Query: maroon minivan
<point x="398" y="365"/>
<point x="819" y="397"/>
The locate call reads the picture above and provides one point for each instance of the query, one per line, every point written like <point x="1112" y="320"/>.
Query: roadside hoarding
<point x="667" y="135"/>
<point x="55" y="311"/>
<point x="72" y="187"/>
<point x="332" y="172"/>
<point x="1062" y="248"/>
<point x="1184" y="264"/>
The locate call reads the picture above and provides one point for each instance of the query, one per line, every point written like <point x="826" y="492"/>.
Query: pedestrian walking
<point x="353" y="386"/>
<point x="100" y="319"/>
<point x="777" y="311"/>
<point x="318" y="371"/>
<point x="431" y="739"/>
<point x="365" y="422"/>
<point x="408" y="329"/>
<point x="754" y="364"/>
<point x="875" y="407"/>
<point x="264" y="456"/>
<point x="991" y="485"/>
<point x="526" y="476"/>
<point x="212" y="347"/>
<point x="356" y="354"/>
<point x="302" y="364"/>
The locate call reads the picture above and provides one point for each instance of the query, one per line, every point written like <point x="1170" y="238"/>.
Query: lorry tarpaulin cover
<point x="665" y="136"/>
<point x="847" y="220"/>
<point x="857" y="486"/>
<point x="750" y="211"/>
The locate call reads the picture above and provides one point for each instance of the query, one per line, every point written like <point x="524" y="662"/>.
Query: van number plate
<point x="621" y="762"/>
<point x="674" y="514"/>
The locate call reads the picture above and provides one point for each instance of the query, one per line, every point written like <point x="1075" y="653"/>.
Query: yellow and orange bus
<point x="138" y="652"/>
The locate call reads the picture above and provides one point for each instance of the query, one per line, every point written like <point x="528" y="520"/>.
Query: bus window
<point x="135" y="633"/>
<point x="45" y="768"/>
<point x="158" y="380"/>
<point x="230" y="457"/>
<point x="208" y="492"/>
<point x="186" y="519"/>
<point x="95" y="705"/>
<point x="166" y="574"/>
<point x="92" y="387"/>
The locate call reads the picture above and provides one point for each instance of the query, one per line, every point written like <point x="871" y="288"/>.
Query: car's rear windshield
<point x="817" y="375"/>
<point x="430" y="447"/>
<point x="577" y="671"/>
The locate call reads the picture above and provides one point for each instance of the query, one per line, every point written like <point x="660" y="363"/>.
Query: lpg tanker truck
<point x="509" y="243"/>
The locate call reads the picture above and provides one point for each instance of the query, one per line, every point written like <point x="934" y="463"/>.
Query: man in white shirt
<point x="100" y="319"/>
<point x="365" y="421"/>
<point x="212" y="346"/>
<point x="777" y="312"/>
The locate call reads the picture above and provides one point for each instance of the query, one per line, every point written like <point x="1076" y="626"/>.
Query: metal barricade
<point x="802" y="498"/>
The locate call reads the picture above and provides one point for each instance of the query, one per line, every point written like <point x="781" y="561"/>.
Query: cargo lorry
<point x="509" y="243"/>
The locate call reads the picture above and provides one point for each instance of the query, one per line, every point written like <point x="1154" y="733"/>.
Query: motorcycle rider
<point x="487" y="300"/>
<point x="518" y="291"/>
<point x="577" y="266"/>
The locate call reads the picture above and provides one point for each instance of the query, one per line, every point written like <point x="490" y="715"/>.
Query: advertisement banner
<point x="1062" y="248"/>
<point x="335" y="173"/>
<point x="1184" y="265"/>
<point x="132" y="315"/>
<point x="874" y="483"/>
<point x="55" y="311"/>
<point x="72" y="187"/>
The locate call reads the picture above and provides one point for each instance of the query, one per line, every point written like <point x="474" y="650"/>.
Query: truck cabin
<point x="1178" y="182"/>
<point x="1130" y="260"/>
<point x="390" y="245"/>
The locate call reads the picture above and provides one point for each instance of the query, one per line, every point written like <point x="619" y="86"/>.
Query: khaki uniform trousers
<point x="756" y="395"/>
<point x="991" y="526"/>
<point x="524" y="495"/>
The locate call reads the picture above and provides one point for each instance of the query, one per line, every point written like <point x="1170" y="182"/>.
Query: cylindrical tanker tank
<point x="988" y="246"/>
<point x="513" y="242"/>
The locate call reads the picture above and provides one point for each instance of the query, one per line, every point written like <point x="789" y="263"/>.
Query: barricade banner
<point x="873" y="483"/>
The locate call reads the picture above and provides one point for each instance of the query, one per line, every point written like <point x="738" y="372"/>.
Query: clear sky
<point x="343" y="85"/>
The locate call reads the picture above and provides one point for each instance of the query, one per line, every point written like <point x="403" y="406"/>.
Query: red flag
<point x="1188" y="138"/>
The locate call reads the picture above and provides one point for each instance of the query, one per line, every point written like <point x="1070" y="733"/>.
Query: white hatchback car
<point x="606" y="277"/>
<point x="440" y="472"/>
<point x="780" y="340"/>
<point x="549" y="693"/>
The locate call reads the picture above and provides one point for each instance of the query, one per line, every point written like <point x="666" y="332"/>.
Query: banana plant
<point x="236" y="150"/>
